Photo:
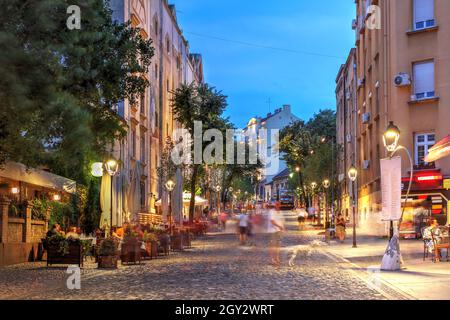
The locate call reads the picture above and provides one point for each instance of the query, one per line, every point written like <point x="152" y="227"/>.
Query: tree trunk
<point x="193" y="186"/>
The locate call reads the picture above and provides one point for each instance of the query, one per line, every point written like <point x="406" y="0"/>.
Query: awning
<point x="199" y="201"/>
<point x="439" y="150"/>
<point x="19" y="172"/>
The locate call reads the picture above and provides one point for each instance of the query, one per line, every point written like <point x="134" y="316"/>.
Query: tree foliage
<point x="310" y="146"/>
<point x="59" y="87"/>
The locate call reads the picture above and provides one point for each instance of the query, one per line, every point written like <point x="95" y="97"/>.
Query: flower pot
<point x="107" y="262"/>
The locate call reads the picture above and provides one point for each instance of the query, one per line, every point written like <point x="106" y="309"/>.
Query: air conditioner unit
<point x="354" y="24"/>
<point x="402" y="79"/>
<point x="366" y="164"/>
<point x="349" y="138"/>
<point x="365" y="117"/>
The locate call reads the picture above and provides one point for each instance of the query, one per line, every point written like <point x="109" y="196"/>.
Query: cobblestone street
<point x="215" y="268"/>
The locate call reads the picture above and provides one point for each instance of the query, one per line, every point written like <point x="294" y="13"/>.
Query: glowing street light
<point x="391" y="137"/>
<point x="353" y="175"/>
<point x="170" y="185"/>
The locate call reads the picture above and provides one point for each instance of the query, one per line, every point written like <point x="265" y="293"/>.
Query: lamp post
<point x="352" y="175"/>
<point x="111" y="167"/>
<point x="218" y="189"/>
<point x="391" y="139"/>
<point x="230" y="190"/>
<point x="326" y="185"/>
<point x="170" y="185"/>
<point x="313" y="187"/>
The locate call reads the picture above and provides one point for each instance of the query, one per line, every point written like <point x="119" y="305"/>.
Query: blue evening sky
<point x="250" y="75"/>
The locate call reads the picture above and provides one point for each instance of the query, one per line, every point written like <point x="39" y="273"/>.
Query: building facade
<point x="403" y="75"/>
<point x="151" y="121"/>
<point x="346" y="123"/>
<point x="281" y="118"/>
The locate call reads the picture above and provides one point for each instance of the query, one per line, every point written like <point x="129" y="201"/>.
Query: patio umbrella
<point x="135" y="192"/>
<point x="439" y="150"/>
<point x="177" y="200"/>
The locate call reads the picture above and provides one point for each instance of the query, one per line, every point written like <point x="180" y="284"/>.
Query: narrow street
<point x="215" y="268"/>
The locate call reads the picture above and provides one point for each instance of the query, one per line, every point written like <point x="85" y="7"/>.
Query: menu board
<point x="391" y="188"/>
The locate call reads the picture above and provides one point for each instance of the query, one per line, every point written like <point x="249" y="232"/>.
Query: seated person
<point x="54" y="230"/>
<point x="72" y="233"/>
<point x="429" y="232"/>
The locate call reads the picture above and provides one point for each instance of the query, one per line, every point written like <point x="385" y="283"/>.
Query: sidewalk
<point x="422" y="280"/>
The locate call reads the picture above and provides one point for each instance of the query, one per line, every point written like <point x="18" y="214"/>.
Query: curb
<point x="385" y="288"/>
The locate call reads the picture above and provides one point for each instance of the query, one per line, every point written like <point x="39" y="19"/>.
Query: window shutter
<point x="423" y="10"/>
<point x="424" y="78"/>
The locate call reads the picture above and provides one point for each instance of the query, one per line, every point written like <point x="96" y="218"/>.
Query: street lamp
<point x="170" y="185"/>
<point x="230" y="190"/>
<point x="353" y="175"/>
<point x="111" y="167"/>
<point x="326" y="184"/>
<point x="391" y="139"/>
<point x="218" y="189"/>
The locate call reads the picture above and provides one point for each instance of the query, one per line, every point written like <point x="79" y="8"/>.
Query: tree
<point x="311" y="146"/>
<point x="59" y="87"/>
<point x="198" y="103"/>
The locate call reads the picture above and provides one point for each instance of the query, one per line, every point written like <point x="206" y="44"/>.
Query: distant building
<point x="280" y="119"/>
<point x="346" y="118"/>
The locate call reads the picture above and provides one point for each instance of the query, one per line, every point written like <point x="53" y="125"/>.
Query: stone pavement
<point x="215" y="268"/>
<point x="418" y="279"/>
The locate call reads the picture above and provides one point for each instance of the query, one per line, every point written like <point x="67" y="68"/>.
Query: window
<point x="422" y="143"/>
<point x="143" y="158"/>
<point x="156" y="71"/>
<point x="142" y="195"/>
<point x="423" y="14"/>
<point x="142" y="103"/>
<point x="168" y="45"/>
<point x="424" y="80"/>
<point x="133" y="143"/>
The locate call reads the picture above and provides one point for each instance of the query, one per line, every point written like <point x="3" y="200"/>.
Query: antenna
<point x="269" y="101"/>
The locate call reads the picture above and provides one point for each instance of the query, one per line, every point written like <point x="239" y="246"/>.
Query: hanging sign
<point x="391" y="188"/>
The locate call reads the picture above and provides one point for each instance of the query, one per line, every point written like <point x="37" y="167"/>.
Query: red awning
<point x="439" y="150"/>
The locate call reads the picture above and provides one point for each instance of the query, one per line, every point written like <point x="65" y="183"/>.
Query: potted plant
<point x="131" y="248"/>
<point x="107" y="254"/>
<point x="151" y="244"/>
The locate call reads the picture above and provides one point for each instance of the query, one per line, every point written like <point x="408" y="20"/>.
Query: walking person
<point x="340" y="227"/>
<point x="301" y="218"/>
<point x="243" y="222"/>
<point x="275" y="229"/>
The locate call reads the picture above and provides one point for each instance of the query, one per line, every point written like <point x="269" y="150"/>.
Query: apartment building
<point x="346" y="118"/>
<point x="279" y="119"/>
<point x="403" y="75"/>
<point x="151" y="121"/>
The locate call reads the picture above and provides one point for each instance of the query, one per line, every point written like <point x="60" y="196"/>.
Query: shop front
<point x="427" y="200"/>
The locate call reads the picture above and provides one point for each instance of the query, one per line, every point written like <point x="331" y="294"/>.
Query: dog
<point x="304" y="250"/>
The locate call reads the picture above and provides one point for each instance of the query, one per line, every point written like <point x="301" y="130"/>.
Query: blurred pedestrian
<point x="243" y="222"/>
<point x="340" y="227"/>
<point x="275" y="229"/>
<point x="302" y="215"/>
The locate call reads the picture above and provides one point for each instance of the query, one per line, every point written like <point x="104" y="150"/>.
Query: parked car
<point x="286" y="202"/>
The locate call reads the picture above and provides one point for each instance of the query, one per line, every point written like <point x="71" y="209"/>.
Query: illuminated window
<point x="422" y="143"/>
